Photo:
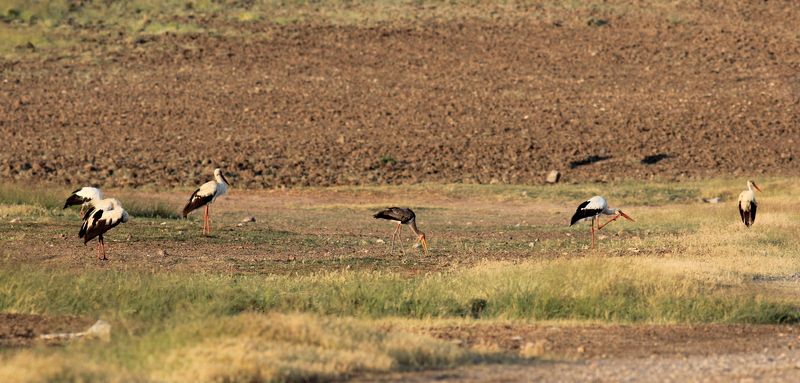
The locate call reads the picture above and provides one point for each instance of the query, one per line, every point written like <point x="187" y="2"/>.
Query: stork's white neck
<point x="219" y="179"/>
<point x="610" y="211"/>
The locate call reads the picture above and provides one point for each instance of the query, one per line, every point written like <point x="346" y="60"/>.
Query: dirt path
<point x="737" y="367"/>
<point x="640" y="353"/>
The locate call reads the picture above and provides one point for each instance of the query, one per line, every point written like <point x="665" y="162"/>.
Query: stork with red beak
<point x="592" y="209"/>
<point x="206" y="194"/>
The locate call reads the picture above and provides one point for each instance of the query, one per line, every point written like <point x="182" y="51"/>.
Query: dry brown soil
<point x="20" y="330"/>
<point x="697" y="88"/>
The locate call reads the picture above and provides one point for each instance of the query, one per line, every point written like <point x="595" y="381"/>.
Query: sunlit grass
<point x="49" y="200"/>
<point x="247" y="347"/>
<point x="682" y="261"/>
<point x="57" y="25"/>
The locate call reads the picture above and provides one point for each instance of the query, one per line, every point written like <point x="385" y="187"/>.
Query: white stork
<point x="403" y="216"/>
<point x="103" y="216"/>
<point x="83" y="197"/>
<point x="205" y="195"/>
<point x="747" y="203"/>
<point x="592" y="209"/>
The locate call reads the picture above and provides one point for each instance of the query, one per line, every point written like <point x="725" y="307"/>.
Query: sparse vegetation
<point x="316" y="318"/>
<point x="59" y="25"/>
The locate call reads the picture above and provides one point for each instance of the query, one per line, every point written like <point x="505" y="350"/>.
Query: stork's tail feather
<point x="196" y="202"/>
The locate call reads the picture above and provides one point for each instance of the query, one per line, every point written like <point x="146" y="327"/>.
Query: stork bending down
<point x="104" y="215"/>
<point x="403" y="216"/>
<point x="592" y="209"/>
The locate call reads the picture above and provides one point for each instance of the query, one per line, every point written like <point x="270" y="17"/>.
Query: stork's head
<point x="220" y="177"/>
<point x="625" y="215"/>
<point x="752" y="184"/>
<point x="423" y="241"/>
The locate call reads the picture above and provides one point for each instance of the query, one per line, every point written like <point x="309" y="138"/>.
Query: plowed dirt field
<point x="667" y="91"/>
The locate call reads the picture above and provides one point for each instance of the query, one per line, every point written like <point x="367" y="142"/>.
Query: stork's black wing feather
<point x="404" y="215"/>
<point x="753" y="208"/>
<point x="195" y="202"/>
<point x="99" y="226"/>
<point x="582" y="213"/>
<point x="90" y="218"/>
<point x="742" y="214"/>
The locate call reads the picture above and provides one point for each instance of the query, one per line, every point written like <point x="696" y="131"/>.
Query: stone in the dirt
<point x="712" y="200"/>
<point x="162" y="253"/>
<point x="248" y="219"/>
<point x="553" y="177"/>
<point x="15" y="220"/>
<point x="100" y="330"/>
<point x="380" y="241"/>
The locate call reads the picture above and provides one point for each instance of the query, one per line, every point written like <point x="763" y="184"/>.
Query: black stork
<point x="403" y="216"/>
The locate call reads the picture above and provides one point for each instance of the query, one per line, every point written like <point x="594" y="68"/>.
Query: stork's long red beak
<point x="625" y="215"/>
<point x="756" y="186"/>
<point x="424" y="245"/>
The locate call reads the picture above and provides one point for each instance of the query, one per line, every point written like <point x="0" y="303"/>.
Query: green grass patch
<point x="45" y="197"/>
<point x="615" y="290"/>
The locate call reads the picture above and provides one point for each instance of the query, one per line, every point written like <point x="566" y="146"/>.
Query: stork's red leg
<point x="396" y="231"/>
<point x="103" y="246"/>
<point x="205" y="221"/>
<point x="208" y="215"/>
<point x="607" y="222"/>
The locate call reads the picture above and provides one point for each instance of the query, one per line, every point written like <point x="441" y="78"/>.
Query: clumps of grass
<point x="249" y="347"/>
<point x="614" y="290"/>
<point x="137" y="207"/>
<point x="21" y="211"/>
<point x="42" y="367"/>
<point x="18" y="194"/>
<point x="302" y="347"/>
<point x="39" y="199"/>
<point x="595" y="22"/>
<point x="158" y="28"/>
<point x="387" y="160"/>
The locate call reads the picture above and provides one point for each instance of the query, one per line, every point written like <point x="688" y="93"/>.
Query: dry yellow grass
<point x="38" y="367"/>
<point x="294" y="347"/>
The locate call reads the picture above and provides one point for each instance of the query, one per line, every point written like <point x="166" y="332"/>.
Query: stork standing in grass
<point x="104" y="215"/>
<point x="592" y="209"/>
<point x="83" y="196"/>
<point x="747" y="203"/>
<point x="403" y="216"/>
<point x="205" y="195"/>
